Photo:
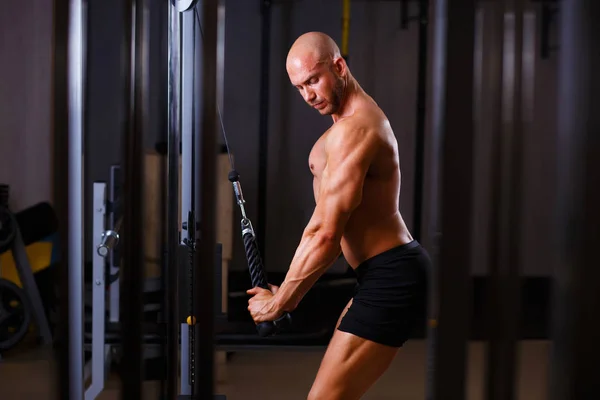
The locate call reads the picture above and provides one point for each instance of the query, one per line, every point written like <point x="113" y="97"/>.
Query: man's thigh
<point x="343" y="313"/>
<point x="351" y="365"/>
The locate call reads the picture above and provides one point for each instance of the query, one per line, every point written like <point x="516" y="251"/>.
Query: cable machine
<point x="193" y="134"/>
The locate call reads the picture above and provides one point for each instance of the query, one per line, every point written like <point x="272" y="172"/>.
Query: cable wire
<point x="218" y="108"/>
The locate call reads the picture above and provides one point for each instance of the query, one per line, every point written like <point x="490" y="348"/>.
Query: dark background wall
<point x="25" y="101"/>
<point x="494" y="70"/>
<point x="382" y="57"/>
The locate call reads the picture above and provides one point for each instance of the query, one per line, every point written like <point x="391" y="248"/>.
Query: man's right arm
<point x="351" y="149"/>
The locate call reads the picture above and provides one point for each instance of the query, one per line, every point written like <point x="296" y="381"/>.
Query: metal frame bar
<point x="187" y="23"/>
<point x="263" y="124"/>
<point x="173" y="191"/>
<point x="185" y="384"/>
<point x="452" y="134"/>
<point x="76" y="89"/>
<point x="189" y="92"/>
<point x="113" y="268"/>
<point x="574" y="357"/>
<point x="30" y="287"/>
<point x="62" y="85"/>
<point x="135" y="45"/>
<point x="221" y="57"/>
<point x="205" y="183"/>
<point x="98" y="360"/>
<point x="198" y="154"/>
<point x="504" y="278"/>
<point x="423" y="21"/>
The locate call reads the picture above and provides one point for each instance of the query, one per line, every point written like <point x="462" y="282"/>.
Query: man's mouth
<point x="320" y="105"/>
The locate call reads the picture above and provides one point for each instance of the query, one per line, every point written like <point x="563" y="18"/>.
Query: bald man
<point x="356" y="188"/>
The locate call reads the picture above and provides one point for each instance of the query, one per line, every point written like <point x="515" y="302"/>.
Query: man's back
<point x="376" y="224"/>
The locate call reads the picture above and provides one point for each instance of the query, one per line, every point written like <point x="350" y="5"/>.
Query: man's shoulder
<point x="361" y="126"/>
<point x="354" y="136"/>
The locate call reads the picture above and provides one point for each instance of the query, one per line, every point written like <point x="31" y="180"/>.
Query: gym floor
<point x="276" y="375"/>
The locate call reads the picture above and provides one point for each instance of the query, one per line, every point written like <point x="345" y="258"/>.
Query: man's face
<point x="319" y="84"/>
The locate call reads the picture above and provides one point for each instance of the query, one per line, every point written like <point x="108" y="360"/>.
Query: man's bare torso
<point x="376" y="224"/>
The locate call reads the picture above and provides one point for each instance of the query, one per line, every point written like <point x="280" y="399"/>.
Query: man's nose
<point x="309" y="95"/>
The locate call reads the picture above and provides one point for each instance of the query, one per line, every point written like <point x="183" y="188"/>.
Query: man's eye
<point x="313" y="81"/>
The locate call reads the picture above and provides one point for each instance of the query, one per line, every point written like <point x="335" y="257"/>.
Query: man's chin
<point x="327" y="110"/>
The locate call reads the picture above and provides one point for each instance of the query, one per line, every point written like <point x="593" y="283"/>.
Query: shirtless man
<point x="356" y="187"/>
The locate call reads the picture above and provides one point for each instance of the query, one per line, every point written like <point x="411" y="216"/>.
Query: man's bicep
<point x="344" y="177"/>
<point x="344" y="185"/>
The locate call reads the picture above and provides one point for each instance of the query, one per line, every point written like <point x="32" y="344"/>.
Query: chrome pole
<point x="173" y="159"/>
<point x="76" y="65"/>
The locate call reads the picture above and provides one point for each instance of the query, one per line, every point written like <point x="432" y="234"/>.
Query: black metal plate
<point x="15" y="315"/>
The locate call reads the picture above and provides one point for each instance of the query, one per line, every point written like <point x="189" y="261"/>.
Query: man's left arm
<point x="350" y="152"/>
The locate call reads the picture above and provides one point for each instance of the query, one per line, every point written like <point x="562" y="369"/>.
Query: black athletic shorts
<point x="390" y="296"/>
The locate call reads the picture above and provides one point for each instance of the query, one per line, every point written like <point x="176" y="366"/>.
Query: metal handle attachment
<point x="109" y="240"/>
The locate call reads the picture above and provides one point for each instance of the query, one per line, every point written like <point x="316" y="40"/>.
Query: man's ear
<point x="339" y="66"/>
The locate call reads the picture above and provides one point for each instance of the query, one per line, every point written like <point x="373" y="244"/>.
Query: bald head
<point x="317" y="70"/>
<point x="312" y="48"/>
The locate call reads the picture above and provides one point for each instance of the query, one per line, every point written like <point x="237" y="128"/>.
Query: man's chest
<point x="317" y="159"/>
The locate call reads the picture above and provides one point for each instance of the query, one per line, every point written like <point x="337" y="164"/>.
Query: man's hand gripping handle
<point x="255" y="265"/>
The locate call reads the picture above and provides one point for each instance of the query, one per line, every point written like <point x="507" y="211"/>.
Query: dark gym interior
<point x="494" y="107"/>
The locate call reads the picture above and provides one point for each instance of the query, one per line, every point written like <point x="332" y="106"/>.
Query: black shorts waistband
<point x="393" y="252"/>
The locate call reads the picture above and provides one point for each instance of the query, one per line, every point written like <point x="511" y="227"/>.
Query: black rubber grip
<point x="259" y="279"/>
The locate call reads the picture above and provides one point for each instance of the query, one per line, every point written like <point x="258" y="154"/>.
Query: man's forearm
<point x="315" y="254"/>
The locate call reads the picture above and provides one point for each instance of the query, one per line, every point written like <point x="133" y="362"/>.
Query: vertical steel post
<point x="504" y="278"/>
<point x="98" y="367"/>
<point x="189" y="96"/>
<point x="206" y="182"/>
<point x="135" y="42"/>
<point x="74" y="174"/>
<point x="575" y="328"/>
<point x="114" y="258"/>
<point x="61" y="17"/>
<point x="187" y="92"/>
<point x="423" y="21"/>
<point x="263" y="126"/>
<point x="452" y="134"/>
<point x="173" y="229"/>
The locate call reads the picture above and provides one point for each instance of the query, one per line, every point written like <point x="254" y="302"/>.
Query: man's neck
<point x="351" y="93"/>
